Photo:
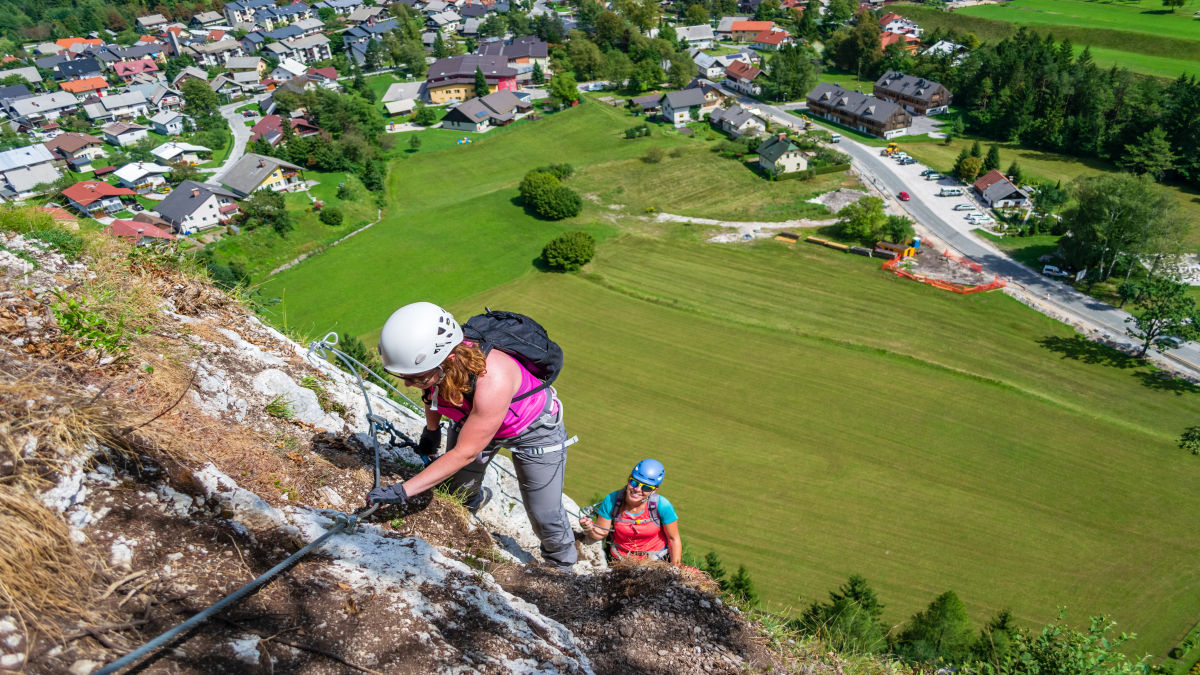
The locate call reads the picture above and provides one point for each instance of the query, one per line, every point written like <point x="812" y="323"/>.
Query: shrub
<point x="546" y="196"/>
<point x="654" y="155"/>
<point x="344" y="192"/>
<point x="639" y="131"/>
<point x="559" y="171"/>
<point x="536" y="186"/>
<point x="569" y="251"/>
<point x="677" y="153"/>
<point x="331" y="216"/>
<point x="563" y="202"/>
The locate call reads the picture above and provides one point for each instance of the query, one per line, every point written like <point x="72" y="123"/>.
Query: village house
<point x="454" y="77"/>
<point x="22" y="169"/>
<point x="327" y="77"/>
<point x="205" y="20"/>
<point x="153" y="22"/>
<point x="894" y="23"/>
<point x="741" y="76"/>
<point x="708" y="66"/>
<point x="142" y="177"/>
<point x="996" y="191"/>
<point x="288" y="69"/>
<point x="258" y="172"/>
<point x="771" y="40"/>
<point x="95" y="198"/>
<point x="144" y="234"/>
<point x="178" y="151"/>
<point x="122" y="134"/>
<point x="363" y="15"/>
<point x="89" y="85"/>
<point x="858" y="111"/>
<point x="738" y="121"/>
<point x="211" y="54"/>
<point x="699" y="37"/>
<point x="270" y="129"/>
<point x="521" y="54"/>
<point x="908" y="43"/>
<point x="746" y="31"/>
<point x="311" y="26"/>
<point x="480" y="113"/>
<point x="401" y="97"/>
<point x="117" y="107"/>
<point x="241" y="64"/>
<point x="127" y="70"/>
<point x="917" y="94"/>
<point x="275" y="16"/>
<point x="35" y="110"/>
<point x="77" y="69"/>
<point x="192" y="73"/>
<point x="195" y="207"/>
<point x="28" y="73"/>
<point x="681" y="107"/>
<point x="70" y="148"/>
<point x="302" y="49"/>
<point x="339" y="7"/>
<point x="713" y="96"/>
<point x="725" y="26"/>
<point x="242" y="11"/>
<point x="169" y="123"/>
<point x="777" y="155"/>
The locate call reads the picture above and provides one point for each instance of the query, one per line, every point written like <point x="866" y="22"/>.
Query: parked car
<point x="835" y="138"/>
<point x="934" y="176"/>
<point x="951" y="192"/>
<point x="964" y="207"/>
<point x="137" y="207"/>
<point x="908" y="160"/>
<point x="928" y="172"/>
<point x="1053" y="271"/>
<point x="904" y="196"/>
<point x="978" y="216"/>
<point x="249" y="113"/>
<point x="1170" y="341"/>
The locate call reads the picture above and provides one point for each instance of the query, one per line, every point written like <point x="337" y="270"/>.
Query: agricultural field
<point x="1138" y="37"/>
<point x="818" y="417"/>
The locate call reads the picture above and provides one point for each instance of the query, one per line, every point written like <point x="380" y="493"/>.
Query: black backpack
<point x="521" y="338"/>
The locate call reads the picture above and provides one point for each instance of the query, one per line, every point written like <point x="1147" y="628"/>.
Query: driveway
<point x="935" y="214"/>
<point x="241" y="136"/>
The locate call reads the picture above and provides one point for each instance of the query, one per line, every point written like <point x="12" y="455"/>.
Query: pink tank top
<point x="520" y="413"/>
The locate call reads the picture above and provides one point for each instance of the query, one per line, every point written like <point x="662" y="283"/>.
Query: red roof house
<point x="744" y="31"/>
<point x="126" y="70"/>
<point x="270" y="127"/>
<point x="906" y="42"/>
<point x="91" y="196"/>
<point x="85" y="86"/>
<point x="135" y="230"/>
<point x="772" y="39"/>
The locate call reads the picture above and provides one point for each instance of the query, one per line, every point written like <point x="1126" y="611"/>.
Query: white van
<point x="950" y="192"/>
<point x="964" y="207"/>
<point x="835" y="138"/>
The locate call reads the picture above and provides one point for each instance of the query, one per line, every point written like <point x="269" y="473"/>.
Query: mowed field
<point x="1138" y="36"/>
<point x="818" y="417"/>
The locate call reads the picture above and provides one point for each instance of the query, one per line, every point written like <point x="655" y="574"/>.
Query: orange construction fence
<point x="996" y="282"/>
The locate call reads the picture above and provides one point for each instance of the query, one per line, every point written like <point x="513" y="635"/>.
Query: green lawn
<point x="846" y="80"/>
<point x="1141" y="16"/>
<point x="1138" y="45"/>
<point x="263" y="250"/>
<point x="818" y="417"/>
<point x="1026" y="250"/>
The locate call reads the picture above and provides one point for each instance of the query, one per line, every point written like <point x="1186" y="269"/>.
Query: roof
<point x="647" y="101"/>
<point x="854" y="103"/>
<point x="251" y="170"/>
<point x="699" y="32"/>
<point x="191" y="71"/>
<point x="85" y="85"/>
<point x="28" y="73"/>
<point x="888" y="18"/>
<point x="46" y="102"/>
<point x="165" y="117"/>
<point x="401" y="91"/>
<point x="151" y="20"/>
<point x="30" y="155"/>
<point x="735" y="116"/>
<point x="725" y="25"/>
<point x="752" y="26"/>
<point x="1003" y="189"/>
<point x="775" y="147"/>
<point x="989" y="179"/>
<point x="306" y="41"/>
<point x="363" y="13"/>
<point x="284" y="33"/>
<point x="88" y="191"/>
<point x="463" y="66"/>
<point x="772" y="37"/>
<point x="908" y="85"/>
<point x="215" y="47"/>
<point x="742" y="70"/>
<point x="686" y="98"/>
<point x="67" y="43"/>
<point x="243" y="62"/>
<point x="292" y="66"/>
<point x="76" y="67"/>
<point x="329" y="73"/>
<point x="208" y="17"/>
<point x="71" y="143"/>
<point x="890" y="38"/>
<point x="131" y="98"/>
<point x="132" y="228"/>
<point x="167" y="152"/>
<point x="13" y="92"/>
<point x="134" y="171"/>
<point x="118" y="128"/>
<point x="57" y="213"/>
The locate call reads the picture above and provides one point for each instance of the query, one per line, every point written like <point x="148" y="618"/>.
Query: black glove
<point x="388" y="494"/>
<point x="431" y="440"/>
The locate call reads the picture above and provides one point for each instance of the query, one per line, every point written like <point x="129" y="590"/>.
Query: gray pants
<point x="540" y="477"/>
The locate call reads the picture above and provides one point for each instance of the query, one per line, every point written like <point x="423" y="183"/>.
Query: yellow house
<point x="454" y="77"/>
<point x="255" y="172"/>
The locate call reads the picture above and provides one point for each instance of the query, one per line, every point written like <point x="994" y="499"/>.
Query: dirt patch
<point x="838" y="199"/>
<point x="643" y="619"/>
<point x="935" y="265"/>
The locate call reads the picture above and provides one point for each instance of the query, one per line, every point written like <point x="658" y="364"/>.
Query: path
<point x="241" y="136"/>
<point x="322" y="249"/>
<point x="1047" y="295"/>
<point x="752" y="228"/>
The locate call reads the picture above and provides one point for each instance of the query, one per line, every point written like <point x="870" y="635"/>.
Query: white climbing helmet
<point x="418" y="338"/>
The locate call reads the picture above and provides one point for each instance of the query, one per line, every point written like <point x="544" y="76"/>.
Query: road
<point x="241" y="136"/>
<point x="884" y="174"/>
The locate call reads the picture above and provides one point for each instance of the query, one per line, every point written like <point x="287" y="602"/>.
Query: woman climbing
<point x="642" y="521"/>
<point x="493" y="401"/>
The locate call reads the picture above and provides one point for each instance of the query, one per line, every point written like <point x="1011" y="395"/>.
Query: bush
<point x="344" y="192"/>
<point x="559" y="171"/>
<point x="639" y="131"/>
<point x="677" y="153"/>
<point x="563" y="202"/>
<point x="546" y="196"/>
<point x="569" y="251"/>
<point x="331" y="215"/>
<point x="654" y="155"/>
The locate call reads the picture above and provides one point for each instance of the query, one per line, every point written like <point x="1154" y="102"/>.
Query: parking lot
<point x="927" y="191"/>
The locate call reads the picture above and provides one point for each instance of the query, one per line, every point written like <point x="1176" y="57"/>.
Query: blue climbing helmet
<point x="650" y="472"/>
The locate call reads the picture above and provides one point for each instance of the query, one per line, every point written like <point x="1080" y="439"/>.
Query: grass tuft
<point x="280" y="408"/>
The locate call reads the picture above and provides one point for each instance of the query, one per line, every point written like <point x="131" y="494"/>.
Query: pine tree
<point x="481" y="85"/>
<point x="713" y="567"/>
<point x="741" y="587"/>
<point x="1014" y="173"/>
<point x="976" y="151"/>
<point x="849" y="622"/>
<point x="941" y="631"/>
<point x="538" y="76"/>
<point x="992" y="161"/>
<point x="962" y="156"/>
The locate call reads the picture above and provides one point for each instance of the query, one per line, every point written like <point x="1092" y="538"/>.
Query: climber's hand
<point x="388" y="494"/>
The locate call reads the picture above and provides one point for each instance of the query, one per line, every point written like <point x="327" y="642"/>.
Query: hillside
<point x="151" y="471"/>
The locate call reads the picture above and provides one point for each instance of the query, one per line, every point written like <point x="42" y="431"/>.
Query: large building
<point x="859" y="111"/>
<point x="917" y="94"/>
<point x="454" y="77"/>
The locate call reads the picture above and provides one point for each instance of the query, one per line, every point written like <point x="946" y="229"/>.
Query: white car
<point x="975" y="217"/>
<point x="1052" y="271"/>
<point x="964" y="207"/>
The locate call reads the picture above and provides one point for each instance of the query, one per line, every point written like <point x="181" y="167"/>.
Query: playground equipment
<point x="464" y="141"/>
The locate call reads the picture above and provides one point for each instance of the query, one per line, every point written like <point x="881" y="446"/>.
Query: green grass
<point x="818" y="417"/>
<point x="1026" y="250"/>
<point x="1146" y="16"/>
<point x="846" y="80"/>
<point x="263" y="250"/>
<point x="1139" y="44"/>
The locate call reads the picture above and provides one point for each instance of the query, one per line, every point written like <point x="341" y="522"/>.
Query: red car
<point x="904" y="196"/>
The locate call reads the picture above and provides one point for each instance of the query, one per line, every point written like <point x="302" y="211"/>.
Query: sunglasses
<point x="420" y="379"/>
<point x="639" y="485"/>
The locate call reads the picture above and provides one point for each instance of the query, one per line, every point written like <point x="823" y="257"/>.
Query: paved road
<point x="886" y="176"/>
<point x="241" y="135"/>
